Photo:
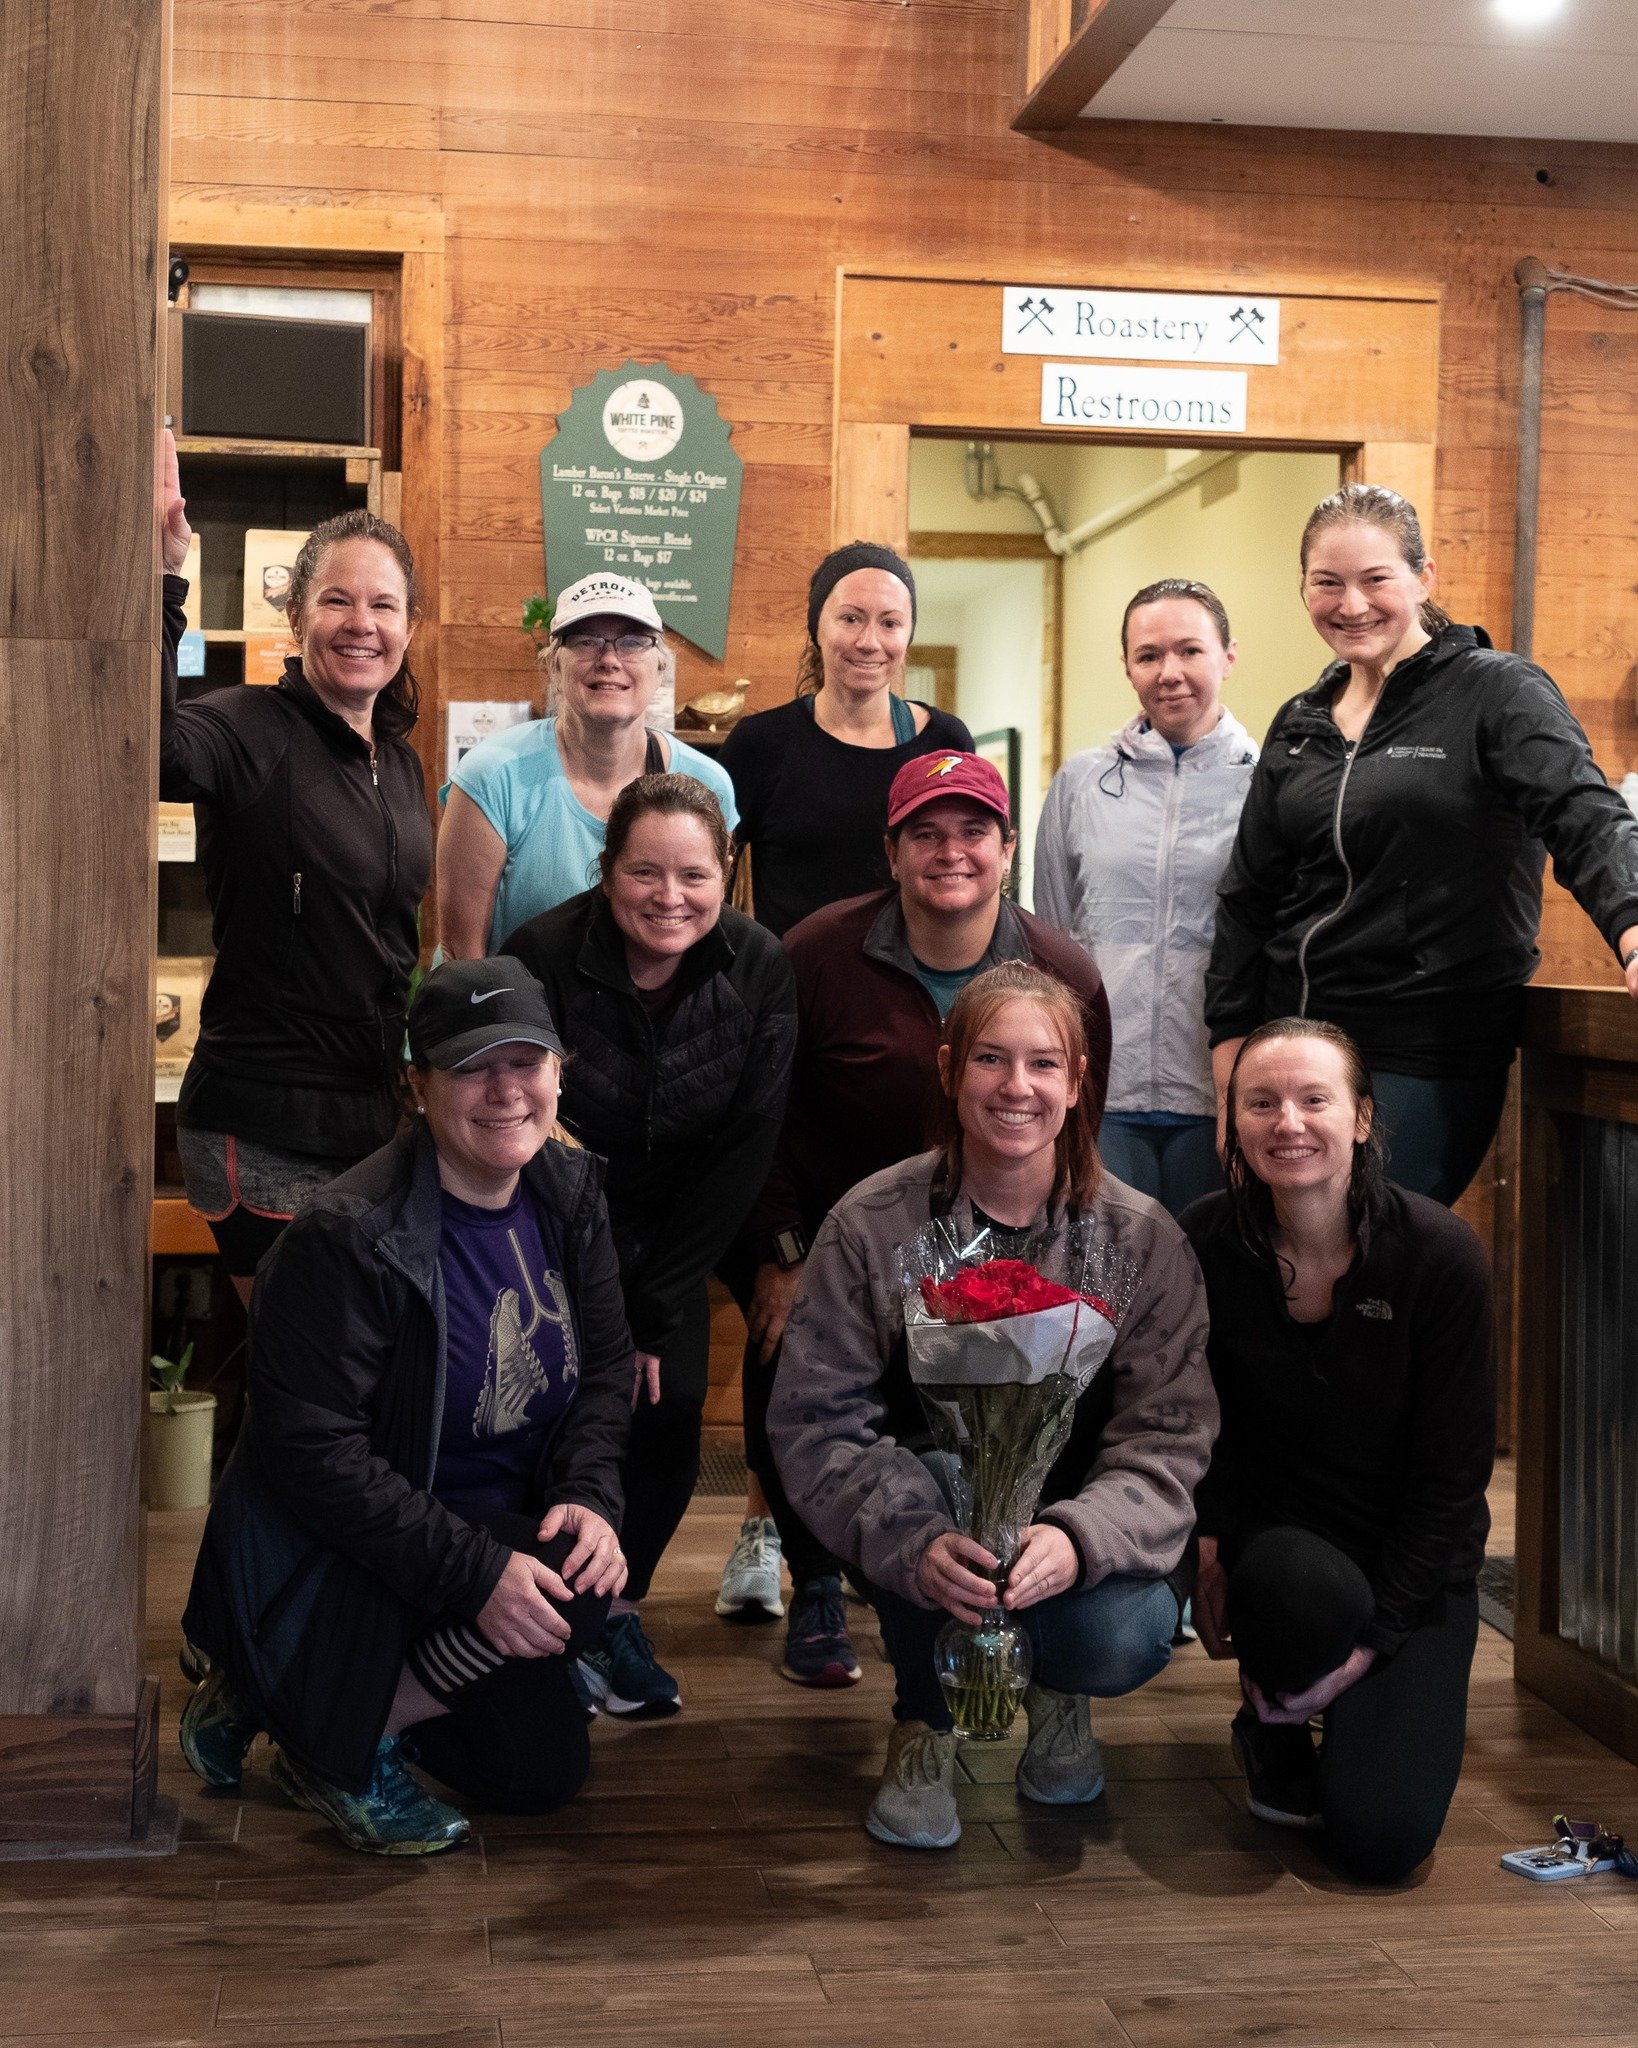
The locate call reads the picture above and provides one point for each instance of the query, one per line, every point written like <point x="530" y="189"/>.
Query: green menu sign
<point x="641" y="481"/>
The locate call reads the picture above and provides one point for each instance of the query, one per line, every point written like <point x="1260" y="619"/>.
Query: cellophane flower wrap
<point x="1004" y="1333"/>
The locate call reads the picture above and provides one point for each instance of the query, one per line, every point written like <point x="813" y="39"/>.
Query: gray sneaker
<point x="914" y="1806"/>
<point x="1062" y="1764"/>
<point x="750" y="1579"/>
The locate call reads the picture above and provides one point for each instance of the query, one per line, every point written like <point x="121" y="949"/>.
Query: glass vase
<point x="983" y="1671"/>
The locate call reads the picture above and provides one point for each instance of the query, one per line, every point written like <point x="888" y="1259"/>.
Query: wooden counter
<point x="1576" y="1619"/>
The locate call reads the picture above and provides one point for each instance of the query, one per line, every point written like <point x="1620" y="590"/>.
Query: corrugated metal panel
<point x="1598" y="1538"/>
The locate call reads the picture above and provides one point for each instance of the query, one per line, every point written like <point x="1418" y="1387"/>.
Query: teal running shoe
<point x="216" y="1731"/>
<point x="396" y="1816"/>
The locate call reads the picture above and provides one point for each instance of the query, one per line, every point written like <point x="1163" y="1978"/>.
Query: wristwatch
<point x="790" y="1248"/>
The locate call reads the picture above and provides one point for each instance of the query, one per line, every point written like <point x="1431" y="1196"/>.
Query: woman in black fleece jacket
<point x="1342" y="1522"/>
<point x="1387" y="870"/>
<point x="679" y="1016"/>
<point x="316" y="846"/>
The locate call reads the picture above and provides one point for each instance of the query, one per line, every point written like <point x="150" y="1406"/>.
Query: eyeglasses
<point x="622" y="643"/>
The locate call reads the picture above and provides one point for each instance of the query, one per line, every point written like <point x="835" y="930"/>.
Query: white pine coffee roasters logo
<point x="642" y="420"/>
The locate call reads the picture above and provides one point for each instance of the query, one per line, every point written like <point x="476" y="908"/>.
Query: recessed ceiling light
<point x="1527" y="13"/>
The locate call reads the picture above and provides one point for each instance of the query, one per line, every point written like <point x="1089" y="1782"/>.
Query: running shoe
<point x="750" y="1578"/>
<point x="818" y="1648"/>
<point x="624" y="1676"/>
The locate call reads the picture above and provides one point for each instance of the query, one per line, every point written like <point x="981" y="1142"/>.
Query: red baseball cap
<point x="931" y="776"/>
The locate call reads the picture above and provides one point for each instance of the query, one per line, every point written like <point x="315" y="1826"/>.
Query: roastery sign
<point x="1138" y="327"/>
<point x="640" y="479"/>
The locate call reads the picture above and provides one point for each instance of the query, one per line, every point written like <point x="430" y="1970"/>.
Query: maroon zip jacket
<point x="866" y="1073"/>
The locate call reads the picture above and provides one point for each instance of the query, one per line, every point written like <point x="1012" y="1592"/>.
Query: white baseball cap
<point x="612" y="597"/>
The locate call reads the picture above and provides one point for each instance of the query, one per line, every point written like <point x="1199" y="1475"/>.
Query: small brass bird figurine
<point x="715" y="710"/>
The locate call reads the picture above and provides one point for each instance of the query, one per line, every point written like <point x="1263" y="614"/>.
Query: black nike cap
<point x="463" y="1007"/>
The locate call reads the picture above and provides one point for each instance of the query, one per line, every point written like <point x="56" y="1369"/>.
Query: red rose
<point x="994" y="1290"/>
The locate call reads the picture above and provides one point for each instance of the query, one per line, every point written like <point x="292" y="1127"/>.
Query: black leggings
<point x="515" y="1740"/>
<point x="1392" y="1745"/>
<point x="805" y="1556"/>
<point x="663" y="1456"/>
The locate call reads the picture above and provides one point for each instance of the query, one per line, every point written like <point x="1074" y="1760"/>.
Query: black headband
<point x="858" y="554"/>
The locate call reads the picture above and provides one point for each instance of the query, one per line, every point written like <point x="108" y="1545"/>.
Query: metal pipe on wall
<point x="1533" y="278"/>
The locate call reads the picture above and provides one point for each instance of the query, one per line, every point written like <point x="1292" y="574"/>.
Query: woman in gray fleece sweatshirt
<point x="1102" y="1571"/>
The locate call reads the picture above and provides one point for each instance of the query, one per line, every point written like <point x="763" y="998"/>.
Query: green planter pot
<point x="179" y="1447"/>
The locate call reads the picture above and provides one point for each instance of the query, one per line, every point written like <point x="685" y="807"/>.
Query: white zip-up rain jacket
<point x="1131" y="846"/>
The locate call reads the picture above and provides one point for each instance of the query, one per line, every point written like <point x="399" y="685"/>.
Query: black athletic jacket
<point x="1395" y="887"/>
<point x="315" y="863"/>
<point x="1375" y="1429"/>
<point x="325" y="1550"/>
<point x="685" y="1106"/>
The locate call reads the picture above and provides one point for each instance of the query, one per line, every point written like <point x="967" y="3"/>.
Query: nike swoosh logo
<point x="490" y="997"/>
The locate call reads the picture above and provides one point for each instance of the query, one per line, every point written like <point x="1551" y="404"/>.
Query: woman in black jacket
<point x="1343" y="1520"/>
<point x="316" y="846"/>
<point x="680" y="1019"/>
<point x="1387" y="872"/>
<point x="419" y="1519"/>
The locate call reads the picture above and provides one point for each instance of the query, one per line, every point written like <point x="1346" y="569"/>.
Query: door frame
<point x="918" y="350"/>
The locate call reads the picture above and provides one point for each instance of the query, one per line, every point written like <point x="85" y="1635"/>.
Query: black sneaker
<point x="1282" y="1772"/>
<point x="622" y="1675"/>
<point x="818" y="1648"/>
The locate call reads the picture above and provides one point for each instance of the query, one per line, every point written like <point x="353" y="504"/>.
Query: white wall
<point x="1236" y="529"/>
<point x="994" y="615"/>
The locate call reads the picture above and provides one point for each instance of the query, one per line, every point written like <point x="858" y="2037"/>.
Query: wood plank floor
<point x="714" y="1886"/>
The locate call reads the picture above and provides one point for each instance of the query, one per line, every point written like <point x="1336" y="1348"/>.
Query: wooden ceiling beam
<point x="1068" y="65"/>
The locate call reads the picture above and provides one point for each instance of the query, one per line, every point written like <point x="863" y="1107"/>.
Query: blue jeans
<point x="1438" y="1131"/>
<point x="1173" y="1158"/>
<point x="1105" y="1640"/>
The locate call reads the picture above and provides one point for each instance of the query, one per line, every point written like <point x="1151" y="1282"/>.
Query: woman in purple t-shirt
<point x="421" y="1517"/>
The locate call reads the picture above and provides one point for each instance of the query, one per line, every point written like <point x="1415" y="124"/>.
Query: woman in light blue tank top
<point x="526" y="807"/>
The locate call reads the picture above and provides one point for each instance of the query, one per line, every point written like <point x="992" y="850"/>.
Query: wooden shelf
<point x="280" y="451"/>
<point x="179" y="1230"/>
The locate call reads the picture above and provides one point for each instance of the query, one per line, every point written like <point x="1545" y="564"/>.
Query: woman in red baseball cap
<point x="811" y="779"/>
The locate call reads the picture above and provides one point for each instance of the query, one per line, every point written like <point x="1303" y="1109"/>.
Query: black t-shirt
<point x="813" y="808"/>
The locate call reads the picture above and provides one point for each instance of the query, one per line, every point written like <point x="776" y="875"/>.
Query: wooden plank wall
<point x="682" y="179"/>
<point x="81" y="188"/>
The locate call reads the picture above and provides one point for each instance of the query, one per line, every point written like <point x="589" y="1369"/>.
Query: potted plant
<point x="181" y="1432"/>
<point x="537" y="620"/>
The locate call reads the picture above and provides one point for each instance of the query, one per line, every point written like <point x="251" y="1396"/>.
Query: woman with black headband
<point x="811" y="779"/>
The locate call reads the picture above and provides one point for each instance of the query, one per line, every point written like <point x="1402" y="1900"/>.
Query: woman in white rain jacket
<point x="1133" y="840"/>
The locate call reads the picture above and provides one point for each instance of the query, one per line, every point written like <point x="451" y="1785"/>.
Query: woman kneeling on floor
<point x="1096" y="1581"/>
<point x="419" y="1519"/>
<point x="1343" y="1521"/>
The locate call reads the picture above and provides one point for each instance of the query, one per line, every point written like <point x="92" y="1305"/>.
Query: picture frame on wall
<point x="1004" y="750"/>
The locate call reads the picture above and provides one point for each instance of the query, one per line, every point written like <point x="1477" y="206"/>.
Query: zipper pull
<point x="295" y="894"/>
<point x="375" y="772"/>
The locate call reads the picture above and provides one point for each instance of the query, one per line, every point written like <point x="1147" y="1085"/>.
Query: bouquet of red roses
<point x="1004" y="1332"/>
<point x="998" y="1288"/>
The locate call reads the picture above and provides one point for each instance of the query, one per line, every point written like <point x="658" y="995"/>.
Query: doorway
<point x="1018" y="635"/>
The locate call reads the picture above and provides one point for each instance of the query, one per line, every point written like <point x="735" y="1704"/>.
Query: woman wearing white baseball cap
<point x="526" y="808"/>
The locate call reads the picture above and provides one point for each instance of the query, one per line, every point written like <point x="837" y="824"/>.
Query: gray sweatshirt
<point x="1132" y="843"/>
<point x="842" y="1381"/>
